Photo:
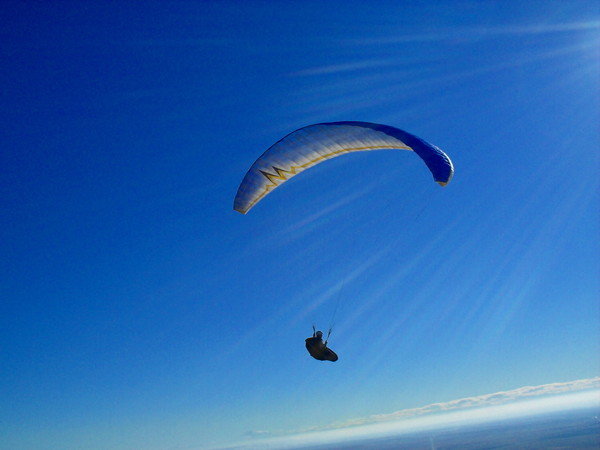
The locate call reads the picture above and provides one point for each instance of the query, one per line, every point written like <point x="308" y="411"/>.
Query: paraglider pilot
<point x="318" y="349"/>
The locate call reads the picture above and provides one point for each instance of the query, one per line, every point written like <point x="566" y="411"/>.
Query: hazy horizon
<point x="516" y="404"/>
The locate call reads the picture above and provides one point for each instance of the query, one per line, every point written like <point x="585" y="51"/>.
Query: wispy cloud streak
<point x="345" y="67"/>
<point x="474" y="33"/>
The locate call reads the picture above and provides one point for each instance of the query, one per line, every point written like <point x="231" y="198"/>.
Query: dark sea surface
<point x="578" y="429"/>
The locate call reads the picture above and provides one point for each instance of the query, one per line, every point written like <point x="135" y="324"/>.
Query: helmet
<point x="319" y="334"/>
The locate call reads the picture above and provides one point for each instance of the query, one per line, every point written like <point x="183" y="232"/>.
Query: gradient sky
<point x="140" y="311"/>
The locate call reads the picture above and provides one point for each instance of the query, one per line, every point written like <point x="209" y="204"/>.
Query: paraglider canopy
<point x="313" y="144"/>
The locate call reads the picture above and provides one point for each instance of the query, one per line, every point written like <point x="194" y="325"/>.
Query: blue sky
<point x="138" y="309"/>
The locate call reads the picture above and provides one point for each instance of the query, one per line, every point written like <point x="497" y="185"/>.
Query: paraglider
<point x="313" y="144"/>
<point x="318" y="349"/>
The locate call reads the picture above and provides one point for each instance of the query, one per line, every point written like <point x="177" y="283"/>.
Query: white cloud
<point x="513" y="403"/>
<point x="258" y="433"/>
<point x="480" y="401"/>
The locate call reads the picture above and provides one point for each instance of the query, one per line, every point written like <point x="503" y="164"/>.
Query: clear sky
<point x="139" y="310"/>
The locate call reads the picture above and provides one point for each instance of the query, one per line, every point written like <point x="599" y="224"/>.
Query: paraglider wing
<point x="313" y="144"/>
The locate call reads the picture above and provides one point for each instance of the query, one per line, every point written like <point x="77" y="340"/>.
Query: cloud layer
<point x="480" y="401"/>
<point x="459" y="405"/>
